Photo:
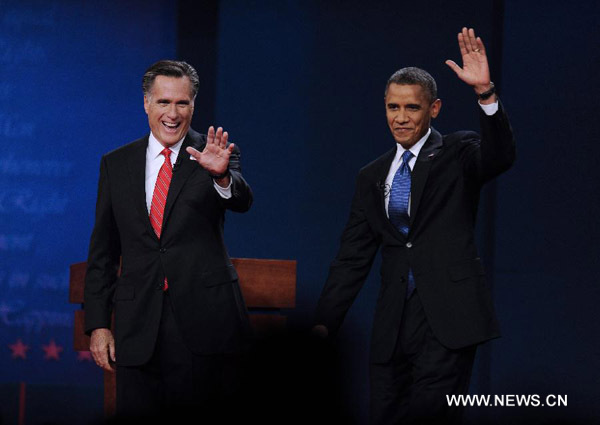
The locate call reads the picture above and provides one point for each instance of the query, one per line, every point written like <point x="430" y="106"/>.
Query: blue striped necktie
<point x="398" y="205"/>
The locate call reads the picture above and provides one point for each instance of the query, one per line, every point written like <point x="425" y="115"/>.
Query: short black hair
<point x="170" y="68"/>
<point x="414" y="76"/>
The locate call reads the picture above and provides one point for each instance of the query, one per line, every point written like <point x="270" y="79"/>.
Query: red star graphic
<point x="84" y="356"/>
<point x="52" y="351"/>
<point x="19" y="350"/>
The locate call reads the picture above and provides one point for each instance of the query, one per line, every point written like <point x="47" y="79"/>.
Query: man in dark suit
<point x="418" y="202"/>
<point x="179" y="315"/>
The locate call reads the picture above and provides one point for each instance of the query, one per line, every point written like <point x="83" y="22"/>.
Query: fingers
<point x="472" y="39"/>
<point x="103" y="361"/>
<point x="467" y="39"/>
<point x="193" y="152"/>
<point x="224" y="139"/>
<point x="480" y="46"/>
<point x="111" y="351"/>
<point x="221" y="151"/>
<point x="461" y="44"/>
<point x="102" y="344"/>
<point x="218" y="137"/>
<point x="320" y="331"/>
<point x="108" y="366"/>
<point x="221" y="137"/>
<point x="100" y="355"/>
<point x="210" y="136"/>
<point x="468" y="42"/>
<point x="454" y="66"/>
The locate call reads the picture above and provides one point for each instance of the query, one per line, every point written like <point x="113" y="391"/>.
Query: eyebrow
<point x="180" y="102"/>
<point x="410" y="105"/>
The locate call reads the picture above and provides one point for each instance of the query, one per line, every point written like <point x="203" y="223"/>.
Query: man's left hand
<point x="475" y="70"/>
<point x="215" y="156"/>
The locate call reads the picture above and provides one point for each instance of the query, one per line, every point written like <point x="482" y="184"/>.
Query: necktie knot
<point x="406" y="156"/>
<point x="166" y="152"/>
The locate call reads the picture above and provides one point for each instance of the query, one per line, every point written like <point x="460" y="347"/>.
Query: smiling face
<point x="409" y="112"/>
<point x="170" y="107"/>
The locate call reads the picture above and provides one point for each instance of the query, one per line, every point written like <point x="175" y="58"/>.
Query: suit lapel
<point x="431" y="149"/>
<point x="137" y="173"/>
<point x="381" y="173"/>
<point x="182" y="170"/>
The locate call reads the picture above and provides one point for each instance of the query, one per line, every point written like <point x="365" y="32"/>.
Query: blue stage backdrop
<point x="300" y="87"/>
<point x="547" y="290"/>
<point x="70" y="90"/>
<point x="302" y="92"/>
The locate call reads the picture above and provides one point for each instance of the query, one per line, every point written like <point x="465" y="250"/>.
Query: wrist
<point x="221" y="176"/>
<point x="490" y="100"/>
<point x="485" y="91"/>
<point x="224" y="180"/>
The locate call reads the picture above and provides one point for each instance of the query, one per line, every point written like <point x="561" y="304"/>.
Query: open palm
<point x="215" y="155"/>
<point x="475" y="70"/>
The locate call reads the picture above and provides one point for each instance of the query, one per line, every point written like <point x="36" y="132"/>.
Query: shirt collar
<point x="155" y="148"/>
<point x="415" y="149"/>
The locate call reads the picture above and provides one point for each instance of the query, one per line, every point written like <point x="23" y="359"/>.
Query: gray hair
<point x="170" y="68"/>
<point x="414" y="76"/>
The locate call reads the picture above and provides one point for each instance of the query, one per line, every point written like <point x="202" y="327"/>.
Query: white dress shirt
<point x="154" y="160"/>
<point x="415" y="149"/>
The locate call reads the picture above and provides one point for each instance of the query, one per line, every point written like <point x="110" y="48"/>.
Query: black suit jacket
<point x="439" y="248"/>
<point x="191" y="253"/>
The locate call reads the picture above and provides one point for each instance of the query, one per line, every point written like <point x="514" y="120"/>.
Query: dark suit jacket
<point x="191" y="253"/>
<point x="440" y="246"/>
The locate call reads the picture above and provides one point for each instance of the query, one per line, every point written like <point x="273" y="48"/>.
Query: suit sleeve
<point x="350" y="268"/>
<point x="103" y="259"/>
<point x="241" y="194"/>
<point x="487" y="157"/>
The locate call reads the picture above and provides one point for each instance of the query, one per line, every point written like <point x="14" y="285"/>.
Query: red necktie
<point x="159" y="197"/>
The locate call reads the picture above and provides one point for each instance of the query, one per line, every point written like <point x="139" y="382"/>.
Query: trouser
<point x="412" y="387"/>
<point x="175" y="382"/>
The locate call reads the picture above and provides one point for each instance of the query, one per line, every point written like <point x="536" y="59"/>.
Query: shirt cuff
<point x="490" y="109"/>
<point x="224" y="192"/>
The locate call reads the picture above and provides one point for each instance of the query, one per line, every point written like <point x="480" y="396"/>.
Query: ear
<point x="435" y="108"/>
<point x="146" y="104"/>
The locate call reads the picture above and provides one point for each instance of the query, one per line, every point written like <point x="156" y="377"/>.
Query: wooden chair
<point x="268" y="287"/>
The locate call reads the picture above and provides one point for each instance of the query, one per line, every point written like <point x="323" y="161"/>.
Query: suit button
<point x="163" y="250"/>
<point x="409" y="244"/>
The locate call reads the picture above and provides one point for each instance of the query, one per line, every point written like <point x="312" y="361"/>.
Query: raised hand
<point x="215" y="156"/>
<point x="475" y="70"/>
